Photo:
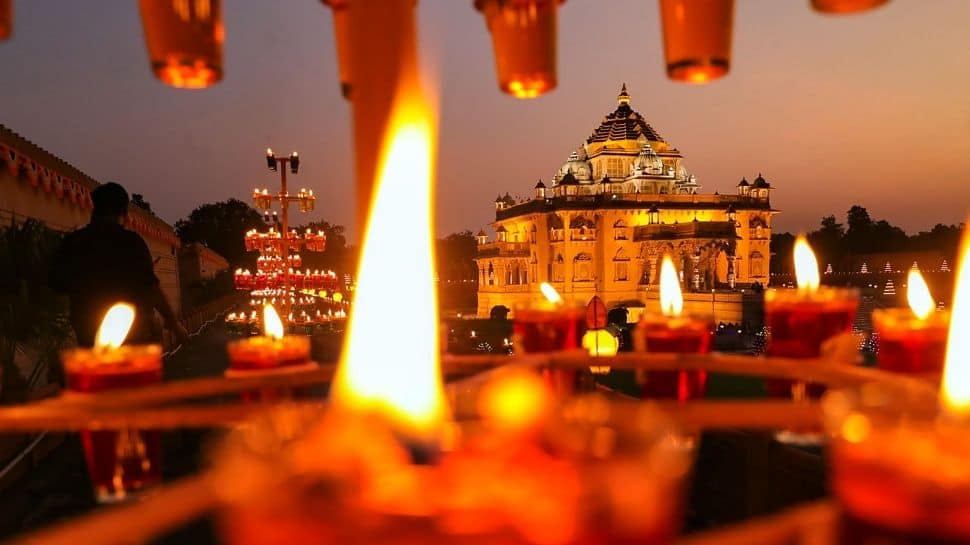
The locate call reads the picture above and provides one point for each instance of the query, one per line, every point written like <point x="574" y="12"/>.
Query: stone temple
<point x="602" y="223"/>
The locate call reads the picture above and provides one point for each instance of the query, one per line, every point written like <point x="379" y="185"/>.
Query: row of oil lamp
<point x="299" y="280"/>
<point x="271" y="262"/>
<point x="271" y="240"/>
<point x="305" y="198"/>
<point x="297" y="317"/>
<point x="185" y="38"/>
<point x="899" y="471"/>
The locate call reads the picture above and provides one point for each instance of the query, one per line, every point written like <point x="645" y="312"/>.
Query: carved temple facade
<point x="619" y="203"/>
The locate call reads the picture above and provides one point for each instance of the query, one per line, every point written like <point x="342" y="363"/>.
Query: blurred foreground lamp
<point x="697" y="38"/>
<point x="898" y="464"/>
<point x="341" y="28"/>
<point x="184" y="39"/>
<point x="6" y="19"/>
<point x="524" y="43"/>
<point x="846" y="6"/>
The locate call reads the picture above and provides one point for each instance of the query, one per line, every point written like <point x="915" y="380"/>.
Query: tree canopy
<point x="862" y="234"/>
<point x="222" y="227"/>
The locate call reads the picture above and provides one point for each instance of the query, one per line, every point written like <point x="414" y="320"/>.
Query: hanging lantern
<point x="524" y="43"/>
<point x="341" y="29"/>
<point x="184" y="39"/>
<point x="6" y="19"/>
<point x="697" y="38"/>
<point x="846" y="6"/>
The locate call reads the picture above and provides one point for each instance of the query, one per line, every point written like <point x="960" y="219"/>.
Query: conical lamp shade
<point x="184" y="39"/>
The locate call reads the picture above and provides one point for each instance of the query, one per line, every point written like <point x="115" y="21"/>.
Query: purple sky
<point x="870" y="109"/>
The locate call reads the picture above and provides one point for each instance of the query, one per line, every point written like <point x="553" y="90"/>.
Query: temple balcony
<point x="503" y="249"/>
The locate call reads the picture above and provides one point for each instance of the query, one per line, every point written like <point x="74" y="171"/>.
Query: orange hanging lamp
<point x="6" y="19"/>
<point x="697" y="38"/>
<point x="184" y="40"/>
<point x="845" y="6"/>
<point x="524" y="43"/>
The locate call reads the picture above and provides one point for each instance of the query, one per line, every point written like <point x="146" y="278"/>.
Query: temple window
<point x="582" y="268"/>
<point x="756" y="265"/>
<point x="619" y="230"/>
<point x="557" y="269"/>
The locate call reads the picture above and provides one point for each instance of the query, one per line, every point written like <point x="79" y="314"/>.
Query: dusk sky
<point x="871" y="109"/>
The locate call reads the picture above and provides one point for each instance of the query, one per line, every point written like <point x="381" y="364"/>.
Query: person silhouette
<point x="102" y="264"/>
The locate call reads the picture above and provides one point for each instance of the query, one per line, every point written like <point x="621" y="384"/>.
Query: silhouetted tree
<point x="138" y="200"/>
<point x="222" y="227"/>
<point x="336" y="256"/>
<point x="781" y="250"/>
<point x="827" y="240"/>
<point x="456" y="257"/>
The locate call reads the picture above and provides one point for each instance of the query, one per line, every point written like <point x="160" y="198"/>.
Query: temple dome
<point x="647" y="162"/>
<point x="578" y="166"/>
<point x="623" y="124"/>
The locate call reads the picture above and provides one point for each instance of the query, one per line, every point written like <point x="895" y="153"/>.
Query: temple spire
<point x="623" y="97"/>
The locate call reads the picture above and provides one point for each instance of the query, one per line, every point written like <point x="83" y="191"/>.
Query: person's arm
<point x="160" y="302"/>
<point x="156" y="297"/>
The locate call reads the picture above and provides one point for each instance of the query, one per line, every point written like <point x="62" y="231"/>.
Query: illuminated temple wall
<point x="619" y="203"/>
<point x="35" y="184"/>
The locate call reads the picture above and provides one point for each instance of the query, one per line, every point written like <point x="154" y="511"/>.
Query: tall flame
<point x="390" y="360"/>
<point x="272" y="325"/>
<point x="806" y="266"/>
<point x="918" y="295"/>
<point x="671" y="299"/>
<point x="956" y="371"/>
<point x="115" y="326"/>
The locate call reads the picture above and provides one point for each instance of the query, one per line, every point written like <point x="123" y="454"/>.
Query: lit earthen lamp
<point x="524" y="43"/>
<point x="899" y="466"/>
<point x="800" y="321"/>
<point x="119" y="462"/>
<point x="550" y="325"/>
<point x="912" y="340"/>
<point x="846" y="6"/>
<point x="272" y="353"/>
<point x="184" y="41"/>
<point x="697" y="38"/>
<point x="386" y="464"/>
<point x="672" y="331"/>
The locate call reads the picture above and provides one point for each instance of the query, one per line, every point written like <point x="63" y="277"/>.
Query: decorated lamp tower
<point x="278" y="278"/>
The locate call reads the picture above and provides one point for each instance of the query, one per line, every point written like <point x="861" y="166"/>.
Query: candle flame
<point x="272" y="325"/>
<point x="550" y="293"/>
<point x="918" y="295"/>
<point x="956" y="370"/>
<point x="115" y="326"/>
<point x="806" y="266"/>
<point x="671" y="299"/>
<point x="389" y="364"/>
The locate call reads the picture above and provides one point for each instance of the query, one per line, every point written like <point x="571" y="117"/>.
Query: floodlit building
<point x="602" y="223"/>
